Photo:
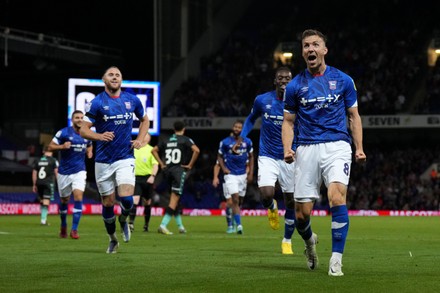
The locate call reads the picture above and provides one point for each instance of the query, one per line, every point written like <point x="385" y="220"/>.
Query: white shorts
<point x="225" y="191"/>
<point x="235" y="184"/>
<point x="329" y="161"/>
<point x="271" y="170"/>
<point x="68" y="183"/>
<point x="108" y="176"/>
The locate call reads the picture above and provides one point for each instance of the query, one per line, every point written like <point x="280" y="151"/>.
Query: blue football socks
<point x="77" y="212"/>
<point x="289" y="223"/>
<point x="340" y="224"/>
<point x="63" y="214"/>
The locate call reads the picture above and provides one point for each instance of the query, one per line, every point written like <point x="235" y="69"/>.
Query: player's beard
<point x="77" y="125"/>
<point x="113" y="87"/>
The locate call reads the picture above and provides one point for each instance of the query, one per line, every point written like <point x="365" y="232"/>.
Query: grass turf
<point x="383" y="254"/>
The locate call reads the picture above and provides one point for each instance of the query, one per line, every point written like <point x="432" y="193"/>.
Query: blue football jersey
<point x="236" y="163"/>
<point x="72" y="160"/>
<point x="320" y="104"/>
<point x="114" y="114"/>
<point x="270" y="109"/>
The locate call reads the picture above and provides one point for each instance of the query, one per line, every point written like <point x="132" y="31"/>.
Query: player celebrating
<point x="72" y="171"/>
<point x="112" y="113"/>
<point x="271" y="166"/>
<point x="321" y="98"/>
<point x="233" y="155"/>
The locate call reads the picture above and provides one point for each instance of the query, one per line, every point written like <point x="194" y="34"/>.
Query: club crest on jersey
<point x="332" y="84"/>
<point x="127" y="105"/>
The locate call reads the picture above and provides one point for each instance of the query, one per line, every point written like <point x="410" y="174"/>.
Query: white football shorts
<point x="328" y="162"/>
<point x="108" y="176"/>
<point x="235" y="184"/>
<point x="68" y="183"/>
<point x="271" y="170"/>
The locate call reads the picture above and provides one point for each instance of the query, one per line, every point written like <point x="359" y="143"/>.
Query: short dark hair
<point x="239" y="121"/>
<point x="77" y="112"/>
<point x="179" y="125"/>
<point x="108" y="68"/>
<point x="313" y="32"/>
<point x="283" y="68"/>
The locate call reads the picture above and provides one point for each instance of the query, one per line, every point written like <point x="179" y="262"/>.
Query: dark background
<point x="115" y="24"/>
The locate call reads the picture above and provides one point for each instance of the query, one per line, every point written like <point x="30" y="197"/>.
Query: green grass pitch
<point x="382" y="254"/>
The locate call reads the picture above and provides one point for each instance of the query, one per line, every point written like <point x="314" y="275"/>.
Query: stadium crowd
<point x="231" y="78"/>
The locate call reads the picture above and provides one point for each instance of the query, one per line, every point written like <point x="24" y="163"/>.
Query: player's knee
<point x="177" y="211"/>
<point x="302" y="215"/>
<point x="107" y="201"/>
<point x="337" y="200"/>
<point x="267" y="192"/>
<point x="169" y="211"/>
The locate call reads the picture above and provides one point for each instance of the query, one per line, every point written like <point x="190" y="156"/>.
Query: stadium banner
<point x="95" y="209"/>
<point x="401" y="121"/>
<point x="372" y="121"/>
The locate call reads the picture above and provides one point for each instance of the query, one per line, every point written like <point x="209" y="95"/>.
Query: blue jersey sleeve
<point x="221" y="148"/>
<point x="289" y="96"/>
<point x="139" y="108"/>
<point x="350" y="93"/>
<point x="92" y="109"/>
<point x="250" y="120"/>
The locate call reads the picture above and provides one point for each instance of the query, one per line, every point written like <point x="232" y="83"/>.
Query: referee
<point x="146" y="167"/>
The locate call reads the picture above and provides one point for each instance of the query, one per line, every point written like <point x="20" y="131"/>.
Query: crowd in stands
<point x="391" y="180"/>
<point x="386" y="58"/>
<point x="430" y="104"/>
